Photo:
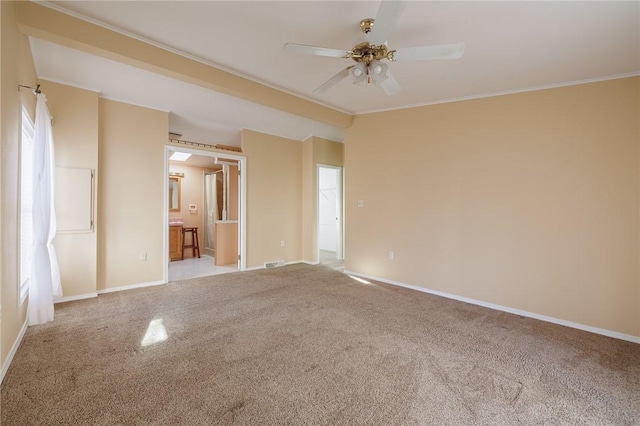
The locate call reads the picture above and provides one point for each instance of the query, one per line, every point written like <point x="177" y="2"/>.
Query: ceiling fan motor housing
<point x="365" y="52"/>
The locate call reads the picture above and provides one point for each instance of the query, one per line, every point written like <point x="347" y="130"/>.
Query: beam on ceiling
<point x="47" y="24"/>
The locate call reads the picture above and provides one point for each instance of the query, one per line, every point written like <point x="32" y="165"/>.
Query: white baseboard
<point x="131" y="287"/>
<point x="14" y="349"/>
<point x="293" y="262"/>
<point x="253" y="268"/>
<point x="72" y="298"/>
<point x="310" y="263"/>
<point x="596" y="330"/>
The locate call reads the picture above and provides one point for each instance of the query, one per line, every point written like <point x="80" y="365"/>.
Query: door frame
<point x="242" y="200"/>
<point x="340" y="198"/>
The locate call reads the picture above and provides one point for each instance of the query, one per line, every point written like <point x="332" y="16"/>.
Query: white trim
<point x="505" y="92"/>
<point x="165" y="217"/>
<point x="278" y="135"/>
<point x="340" y="188"/>
<point x="131" y="287"/>
<point x="242" y="211"/>
<point x="309" y="263"/>
<point x="14" y="349"/>
<point x="293" y="262"/>
<point x="596" y="330"/>
<point x="78" y="297"/>
<point x="185" y="55"/>
<point x="254" y="268"/>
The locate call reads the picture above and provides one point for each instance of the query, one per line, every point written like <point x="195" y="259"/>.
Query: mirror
<point x="174" y="194"/>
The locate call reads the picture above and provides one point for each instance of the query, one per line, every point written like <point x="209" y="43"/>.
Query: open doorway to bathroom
<point x="330" y="217"/>
<point x="205" y="213"/>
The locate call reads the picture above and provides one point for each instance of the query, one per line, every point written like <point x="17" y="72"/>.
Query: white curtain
<point x="211" y="204"/>
<point x="45" y="275"/>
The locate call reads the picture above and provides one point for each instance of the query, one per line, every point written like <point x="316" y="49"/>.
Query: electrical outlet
<point x="143" y="256"/>
<point x="391" y="255"/>
<point x="281" y="243"/>
<point x="360" y="203"/>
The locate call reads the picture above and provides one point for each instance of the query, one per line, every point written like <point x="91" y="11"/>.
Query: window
<point x="26" y="204"/>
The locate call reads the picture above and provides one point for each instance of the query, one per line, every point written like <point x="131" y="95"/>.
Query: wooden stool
<point x="194" y="241"/>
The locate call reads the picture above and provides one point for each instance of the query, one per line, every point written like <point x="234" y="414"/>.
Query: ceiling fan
<point x="370" y="54"/>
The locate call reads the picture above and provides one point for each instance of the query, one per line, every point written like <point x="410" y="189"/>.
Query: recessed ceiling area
<point x="510" y="47"/>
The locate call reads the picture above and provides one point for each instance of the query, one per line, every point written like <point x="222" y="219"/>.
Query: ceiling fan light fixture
<point x="379" y="71"/>
<point x="359" y="73"/>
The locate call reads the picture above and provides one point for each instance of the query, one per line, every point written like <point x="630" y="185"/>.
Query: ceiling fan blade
<point x="332" y="81"/>
<point x="386" y="19"/>
<point x="390" y="85"/>
<point x="314" y="50"/>
<point x="442" y="51"/>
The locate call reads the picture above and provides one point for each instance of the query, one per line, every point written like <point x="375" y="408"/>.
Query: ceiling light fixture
<point x="179" y="156"/>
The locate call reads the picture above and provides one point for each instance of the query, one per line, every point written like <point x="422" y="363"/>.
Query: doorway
<point x="212" y="198"/>
<point x="330" y="216"/>
<point x="212" y="189"/>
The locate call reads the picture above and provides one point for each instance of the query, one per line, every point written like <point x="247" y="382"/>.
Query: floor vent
<point x="274" y="264"/>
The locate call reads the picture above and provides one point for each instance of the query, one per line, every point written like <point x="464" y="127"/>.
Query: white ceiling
<point x="510" y="47"/>
<point x="199" y="115"/>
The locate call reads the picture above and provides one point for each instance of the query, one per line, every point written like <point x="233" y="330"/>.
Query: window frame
<point x="27" y="135"/>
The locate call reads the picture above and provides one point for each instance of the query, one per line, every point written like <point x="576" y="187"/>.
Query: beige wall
<point x="274" y="204"/>
<point x="130" y="194"/>
<point x="315" y="151"/>
<point x="16" y="67"/>
<point x="529" y="201"/>
<point x="75" y="135"/>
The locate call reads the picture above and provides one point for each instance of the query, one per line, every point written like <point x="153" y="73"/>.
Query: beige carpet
<point x="308" y="345"/>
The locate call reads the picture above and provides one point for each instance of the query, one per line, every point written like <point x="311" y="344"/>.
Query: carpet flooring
<point x="306" y="344"/>
<point x="328" y="258"/>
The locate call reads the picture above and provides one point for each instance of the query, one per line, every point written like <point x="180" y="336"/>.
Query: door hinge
<point x="238" y="257"/>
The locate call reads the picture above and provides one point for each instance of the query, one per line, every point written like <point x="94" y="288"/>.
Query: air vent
<point x="274" y="264"/>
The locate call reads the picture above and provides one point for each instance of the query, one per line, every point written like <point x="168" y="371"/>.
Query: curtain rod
<point x="35" y="89"/>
